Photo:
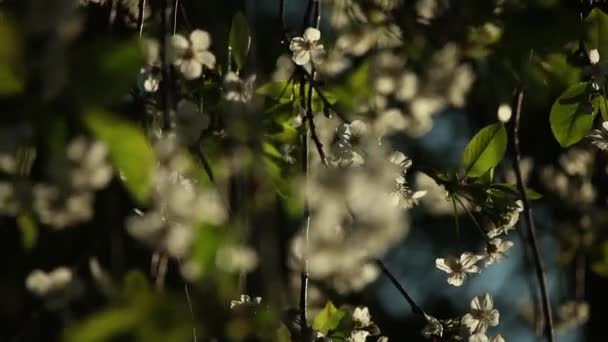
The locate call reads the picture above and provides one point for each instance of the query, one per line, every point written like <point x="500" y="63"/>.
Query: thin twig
<point x="415" y="307"/>
<point x="140" y="17"/>
<point x="310" y="117"/>
<point x="309" y="9"/>
<point x="165" y="68"/>
<point x="532" y="240"/>
<point x="282" y="8"/>
<point x="176" y="4"/>
<point x="317" y="13"/>
<point x="304" y="274"/>
<point x="319" y="92"/>
<point x="191" y="310"/>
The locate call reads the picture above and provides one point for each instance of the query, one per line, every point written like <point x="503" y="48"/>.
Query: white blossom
<point x="594" y="56"/>
<point x="245" y="300"/>
<point x="504" y="113"/>
<point x="432" y="328"/>
<point x="306" y="48"/>
<point x="361" y="317"/>
<point x="458" y="268"/>
<point x="358" y="336"/>
<point x="45" y="283"/>
<point x="189" y="55"/>
<point x="482" y="315"/>
<point x="237" y="89"/>
<point x="496" y="250"/>
<point x="481" y="337"/>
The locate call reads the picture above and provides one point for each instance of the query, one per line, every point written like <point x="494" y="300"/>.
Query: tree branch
<point x="531" y="236"/>
<point x="415" y="307"/>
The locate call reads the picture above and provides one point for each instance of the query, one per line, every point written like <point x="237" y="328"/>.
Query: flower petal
<point x="200" y="40"/>
<point x="206" y="58"/>
<point x="297" y="44"/>
<point x="191" y="69"/>
<point x="457" y="279"/>
<point x="178" y="47"/>
<point x="301" y="57"/>
<point x="480" y="337"/>
<point x="441" y="264"/>
<point x="312" y="34"/>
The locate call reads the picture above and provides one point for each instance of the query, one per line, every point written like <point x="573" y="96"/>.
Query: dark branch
<point x="310" y="117"/>
<point x="415" y="307"/>
<point x="531" y="236"/>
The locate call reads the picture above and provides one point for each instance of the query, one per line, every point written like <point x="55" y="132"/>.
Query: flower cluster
<point x="473" y="326"/>
<point x="468" y="263"/>
<point x="68" y="199"/>
<point x="179" y="205"/>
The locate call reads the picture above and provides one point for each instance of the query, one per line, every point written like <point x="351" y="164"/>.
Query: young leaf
<point x="485" y="150"/>
<point x="130" y="152"/>
<point x="600" y="104"/>
<point x="596" y="31"/>
<point x="240" y="39"/>
<point x="571" y="115"/>
<point x="328" y="318"/>
<point x="29" y="230"/>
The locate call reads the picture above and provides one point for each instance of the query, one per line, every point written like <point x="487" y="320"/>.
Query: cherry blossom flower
<point x="237" y="89"/>
<point x="432" y="328"/>
<point x="358" y="336"/>
<point x="306" y="49"/>
<point x="482" y="315"/>
<point x="190" y="54"/>
<point x="361" y="317"/>
<point x="459" y="268"/>
<point x="496" y="251"/>
<point x="481" y="337"/>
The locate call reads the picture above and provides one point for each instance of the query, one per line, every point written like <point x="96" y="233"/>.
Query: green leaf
<point x="130" y="152"/>
<point x="104" y="326"/>
<point x="596" y="31"/>
<point x="600" y="104"/>
<point x="485" y="150"/>
<point x="12" y="80"/>
<point x="240" y="39"/>
<point x="571" y="115"/>
<point x="276" y="90"/>
<point x="106" y="70"/>
<point x="29" y="230"/>
<point x="328" y="318"/>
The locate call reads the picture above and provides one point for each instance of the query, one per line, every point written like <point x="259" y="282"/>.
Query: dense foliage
<point x="251" y="170"/>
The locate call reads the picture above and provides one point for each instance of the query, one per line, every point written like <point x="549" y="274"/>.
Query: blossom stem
<point x="282" y="7"/>
<point x="317" y="13"/>
<point x="191" y="310"/>
<point x="415" y="307"/>
<point x="140" y="17"/>
<point x="531" y="236"/>
<point x="311" y="125"/>
<point x="175" y="8"/>
<point x="165" y="67"/>
<point x="322" y="96"/>
<point x="305" y="168"/>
